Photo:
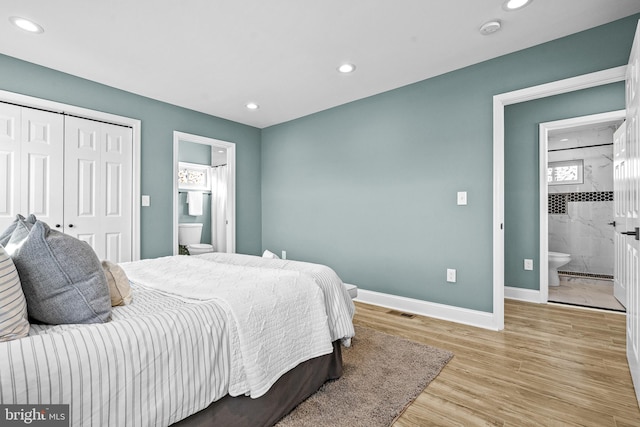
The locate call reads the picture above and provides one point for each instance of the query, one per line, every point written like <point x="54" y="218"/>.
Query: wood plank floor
<point x="551" y="366"/>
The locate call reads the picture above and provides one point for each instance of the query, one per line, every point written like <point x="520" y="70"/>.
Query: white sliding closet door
<point x="31" y="164"/>
<point x="98" y="173"/>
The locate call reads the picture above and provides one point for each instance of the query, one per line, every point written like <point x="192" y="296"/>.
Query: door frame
<point x="85" y="113"/>
<point x="500" y="101"/>
<point x="231" y="185"/>
<point x="545" y="128"/>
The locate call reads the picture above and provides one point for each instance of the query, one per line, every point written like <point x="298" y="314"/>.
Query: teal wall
<point x="159" y="120"/>
<point x="192" y="152"/>
<point x="522" y="186"/>
<point x="369" y="187"/>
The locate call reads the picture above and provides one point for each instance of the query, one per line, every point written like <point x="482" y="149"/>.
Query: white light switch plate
<point x="146" y="200"/>
<point x="462" y="197"/>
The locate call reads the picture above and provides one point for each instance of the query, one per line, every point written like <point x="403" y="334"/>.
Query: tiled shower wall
<point x="579" y="214"/>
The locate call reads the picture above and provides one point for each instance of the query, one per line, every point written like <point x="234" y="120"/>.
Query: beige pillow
<point x="119" y="287"/>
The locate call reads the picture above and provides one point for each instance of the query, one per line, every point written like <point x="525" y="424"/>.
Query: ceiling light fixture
<point x="510" y="5"/>
<point x="252" y="106"/>
<point x="347" y="68"/>
<point x="26" y="24"/>
<point x="490" y="27"/>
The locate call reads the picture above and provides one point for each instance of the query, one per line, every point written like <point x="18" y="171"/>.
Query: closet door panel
<point x="41" y="165"/>
<point x="82" y="181"/>
<point x="98" y="186"/>
<point x="10" y="135"/>
<point x="117" y="191"/>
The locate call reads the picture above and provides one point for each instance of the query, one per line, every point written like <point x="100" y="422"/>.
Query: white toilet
<point x="556" y="260"/>
<point x="189" y="235"/>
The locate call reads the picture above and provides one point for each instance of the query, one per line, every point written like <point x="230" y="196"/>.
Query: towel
<point x="194" y="199"/>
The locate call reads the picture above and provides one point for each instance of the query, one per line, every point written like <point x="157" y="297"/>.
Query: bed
<point x="209" y="339"/>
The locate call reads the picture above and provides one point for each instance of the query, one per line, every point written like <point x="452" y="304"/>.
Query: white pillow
<point x="269" y="254"/>
<point x="13" y="305"/>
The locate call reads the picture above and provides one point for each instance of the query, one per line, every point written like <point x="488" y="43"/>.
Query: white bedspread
<point x="338" y="303"/>
<point x="279" y="315"/>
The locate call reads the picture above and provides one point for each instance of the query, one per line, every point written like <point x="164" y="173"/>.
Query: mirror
<point x="203" y="194"/>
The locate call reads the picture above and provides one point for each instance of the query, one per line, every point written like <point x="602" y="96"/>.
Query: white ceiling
<point x="214" y="56"/>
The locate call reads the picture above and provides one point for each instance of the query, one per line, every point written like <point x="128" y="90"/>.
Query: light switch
<point x="146" y="200"/>
<point x="462" y="197"/>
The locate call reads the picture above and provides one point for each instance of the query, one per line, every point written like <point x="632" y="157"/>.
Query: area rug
<point x="382" y="375"/>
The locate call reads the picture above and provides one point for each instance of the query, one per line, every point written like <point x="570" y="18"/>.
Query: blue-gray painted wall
<point x="159" y="120"/>
<point x="369" y="187"/>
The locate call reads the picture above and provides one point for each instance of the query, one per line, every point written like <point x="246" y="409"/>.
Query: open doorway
<point x="577" y="212"/>
<point x="208" y="161"/>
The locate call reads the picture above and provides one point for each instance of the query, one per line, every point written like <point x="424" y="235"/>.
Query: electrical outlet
<point x="284" y="255"/>
<point x="528" y="264"/>
<point x="451" y="275"/>
<point x="462" y="197"/>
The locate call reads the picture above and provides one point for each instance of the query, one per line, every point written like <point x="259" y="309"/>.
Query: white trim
<point x="231" y="196"/>
<point x="545" y="128"/>
<point x="450" y="313"/>
<point x="585" y="81"/>
<point x="134" y="124"/>
<point x="520" y="294"/>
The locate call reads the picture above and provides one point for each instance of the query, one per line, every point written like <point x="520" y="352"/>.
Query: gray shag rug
<point x="382" y="375"/>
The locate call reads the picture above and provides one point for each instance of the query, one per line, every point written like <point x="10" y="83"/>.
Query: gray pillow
<point x="5" y="236"/>
<point x="61" y="276"/>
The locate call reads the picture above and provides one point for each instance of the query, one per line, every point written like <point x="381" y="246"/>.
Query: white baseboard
<point x="465" y="316"/>
<point x="528" y="295"/>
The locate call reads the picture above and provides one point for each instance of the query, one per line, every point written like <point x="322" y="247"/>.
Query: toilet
<point x="556" y="260"/>
<point x="189" y="235"/>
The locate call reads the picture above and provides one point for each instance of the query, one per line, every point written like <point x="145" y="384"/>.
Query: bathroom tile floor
<point x="585" y="292"/>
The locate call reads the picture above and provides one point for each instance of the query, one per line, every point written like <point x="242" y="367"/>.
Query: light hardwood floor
<point x="550" y="366"/>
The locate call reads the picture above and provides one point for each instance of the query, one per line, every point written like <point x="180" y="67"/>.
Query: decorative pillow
<point x="118" y="282"/>
<point x="61" y="276"/>
<point x="6" y="234"/>
<point x="13" y="306"/>
<point x="268" y="254"/>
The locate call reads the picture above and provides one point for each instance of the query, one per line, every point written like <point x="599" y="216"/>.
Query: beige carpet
<point x="382" y="375"/>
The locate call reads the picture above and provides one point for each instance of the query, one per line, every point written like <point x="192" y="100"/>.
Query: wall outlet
<point x="451" y="275"/>
<point x="284" y="255"/>
<point x="462" y="197"/>
<point x="528" y="264"/>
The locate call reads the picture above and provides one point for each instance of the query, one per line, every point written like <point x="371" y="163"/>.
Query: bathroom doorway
<point x="217" y="161"/>
<point x="576" y="209"/>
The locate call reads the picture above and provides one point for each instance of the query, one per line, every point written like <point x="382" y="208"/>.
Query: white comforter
<point x="338" y="303"/>
<point x="277" y="316"/>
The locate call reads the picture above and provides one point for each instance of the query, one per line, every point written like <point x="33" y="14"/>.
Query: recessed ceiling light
<point x="515" y="4"/>
<point x="347" y="68"/>
<point x="26" y="24"/>
<point x="564" y="139"/>
<point x="490" y="27"/>
<point x="252" y="106"/>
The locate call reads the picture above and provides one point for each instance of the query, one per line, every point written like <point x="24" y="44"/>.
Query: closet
<point x="73" y="173"/>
